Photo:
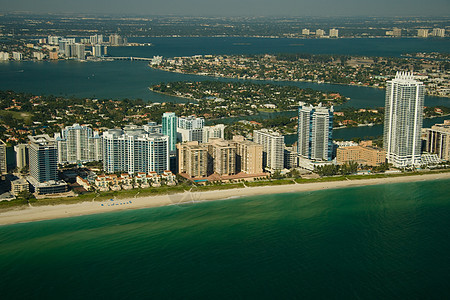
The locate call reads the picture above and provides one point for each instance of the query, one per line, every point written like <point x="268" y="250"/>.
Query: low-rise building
<point x="363" y="155"/>
<point x="83" y="182"/>
<point x="18" y="186"/>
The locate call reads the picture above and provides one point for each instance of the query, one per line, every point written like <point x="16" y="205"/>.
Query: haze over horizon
<point x="300" y="8"/>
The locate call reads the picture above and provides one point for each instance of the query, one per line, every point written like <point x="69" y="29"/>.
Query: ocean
<point x="377" y="242"/>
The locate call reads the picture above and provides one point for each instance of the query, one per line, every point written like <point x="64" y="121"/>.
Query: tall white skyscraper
<point x="315" y="126"/>
<point x="423" y="33"/>
<point x="403" y="120"/>
<point x="273" y="148"/>
<point x="169" y="128"/>
<point x="190" y="129"/>
<point x="334" y="32"/>
<point x="78" y="143"/>
<point x="191" y="122"/>
<point x="135" y="151"/>
<point x="439" y="32"/>
<point x="216" y="131"/>
<point x="79" y="51"/>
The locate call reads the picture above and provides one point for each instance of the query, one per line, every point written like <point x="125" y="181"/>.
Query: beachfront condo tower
<point x="403" y="120"/>
<point x="133" y="150"/>
<point x="315" y="128"/>
<point x="273" y="148"/>
<point x="43" y="157"/>
<point x="78" y="143"/>
<point x="169" y="128"/>
<point x="190" y="129"/>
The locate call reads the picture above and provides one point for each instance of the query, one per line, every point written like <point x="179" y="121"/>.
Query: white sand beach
<point x="38" y="213"/>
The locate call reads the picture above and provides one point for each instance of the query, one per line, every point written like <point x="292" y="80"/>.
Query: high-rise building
<point x="152" y="127"/>
<point x="77" y="144"/>
<point x="305" y="31"/>
<point x="97" y="50"/>
<point x="79" y="51"/>
<point x="169" y="128"/>
<point x="249" y="156"/>
<point x="438" y="32"/>
<point x="438" y="140"/>
<point x="315" y="127"/>
<point x="334" y="32"/>
<point x="397" y="32"/>
<point x="290" y="157"/>
<point x="403" y="120"/>
<point x="117" y="40"/>
<point x="223" y="155"/>
<point x="132" y="150"/>
<point x="190" y="122"/>
<point x="4" y="56"/>
<point x="3" y="164"/>
<point x="17" y="55"/>
<point x="43" y="159"/>
<point x="21" y="155"/>
<point x="422" y="33"/>
<point x="210" y="132"/>
<point x="53" y="40"/>
<point x="320" y="32"/>
<point x="193" y="159"/>
<point x="190" y="129"/>
<point x="96" y="39"/>
<point x="65" y="47"/>
<point x="273" y="148"/>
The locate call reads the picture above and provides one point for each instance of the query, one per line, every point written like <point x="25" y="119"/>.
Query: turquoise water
<point x="375" y="242"/>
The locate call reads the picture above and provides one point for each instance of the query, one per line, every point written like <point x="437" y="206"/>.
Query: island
<point x="432" y="70"/>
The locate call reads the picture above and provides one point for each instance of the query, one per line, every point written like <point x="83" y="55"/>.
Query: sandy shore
<point x="85" y="208"/>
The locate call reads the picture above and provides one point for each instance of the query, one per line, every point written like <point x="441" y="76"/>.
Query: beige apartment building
<point x="249" y="156"/>
<point x="193" y="159"/>
<point x="438" y="140"/>
<point x="363" y="155"/>
<point x="223" y="155"/>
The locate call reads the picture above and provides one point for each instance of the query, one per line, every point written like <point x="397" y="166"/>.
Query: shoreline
<point x="282" y="80"/>
<point x="50" y="212"/>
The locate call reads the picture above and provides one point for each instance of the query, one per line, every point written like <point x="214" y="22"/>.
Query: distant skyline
<point x="299" y="8"/>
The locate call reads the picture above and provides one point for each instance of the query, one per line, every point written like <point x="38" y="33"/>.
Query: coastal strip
<point x="40" y="213"/>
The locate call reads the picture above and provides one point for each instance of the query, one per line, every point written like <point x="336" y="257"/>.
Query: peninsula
<point x="433" y="70"/>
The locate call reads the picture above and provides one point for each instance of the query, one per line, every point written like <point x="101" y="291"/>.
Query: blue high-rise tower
<point x="315" y="128"/>
<point x="169" y="128"/>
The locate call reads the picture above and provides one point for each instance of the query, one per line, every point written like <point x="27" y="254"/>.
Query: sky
<point x="236" y="7"/>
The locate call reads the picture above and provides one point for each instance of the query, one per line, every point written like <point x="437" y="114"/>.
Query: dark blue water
<point x="375" y="242"/>
<point x="187" y="46"/>
<point x="124" y="79"/>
